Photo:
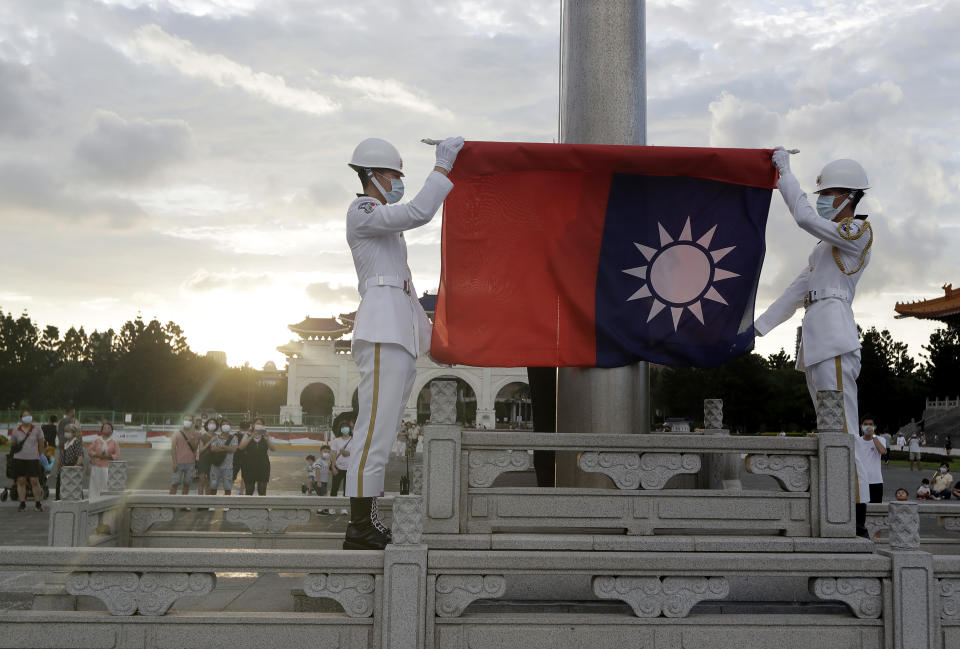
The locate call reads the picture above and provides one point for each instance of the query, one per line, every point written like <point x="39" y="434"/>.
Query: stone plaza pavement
<point x="245" y="591"/>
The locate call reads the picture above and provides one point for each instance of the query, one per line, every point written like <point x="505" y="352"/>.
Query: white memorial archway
<point x="322" y="356"/>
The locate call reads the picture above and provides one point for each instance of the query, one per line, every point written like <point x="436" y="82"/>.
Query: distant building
<point x="677" y="424"/>
<point x="322" y="374"/>
<point x="220" y="357"/>
<point x="270" y="375"/>
<point x="946" y="309"/>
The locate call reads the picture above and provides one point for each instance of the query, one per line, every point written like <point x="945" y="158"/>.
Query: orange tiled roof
<point x="330" y="327"/>
<point x="935" y="308"/>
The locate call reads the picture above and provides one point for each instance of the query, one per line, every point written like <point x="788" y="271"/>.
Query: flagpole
<point x="603" y="100"/>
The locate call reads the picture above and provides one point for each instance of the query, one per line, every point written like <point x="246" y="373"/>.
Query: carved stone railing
<point x="656" y="596"/>
<point x="947" y="588"/>
<point x="152" y="594"/>
<point x="140" y="519"/>
<point x="85" y="522"/>
<point x="475" y="601"/>
<point x="811" y="494"/>
<point x="947" y="515"/>
<point x="411" y="596"/>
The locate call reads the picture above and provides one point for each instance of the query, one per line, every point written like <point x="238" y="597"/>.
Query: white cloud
<point x="741" y="123"/>
<point x="132" y="151"/>
<point x="276" y="239"/>
<point x="203" y="280"/>
<point x="153" y="44"/>
<point x="393" y="93"/>
<point x="199" y="8"/>
<point x="328" y="293"/>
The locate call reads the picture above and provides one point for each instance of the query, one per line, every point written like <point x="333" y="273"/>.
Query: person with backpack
<point x="183" y="456"/>
<point x="222" y="449"/>
<point x="26" y="445"/>
<point x="204" y="455"/>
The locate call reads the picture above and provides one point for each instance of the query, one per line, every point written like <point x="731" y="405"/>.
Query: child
<point x="323" y="469"/>
<point x="311" y="484"/>
<point x="317" y="472"/>
<point x="923" y="493"/>
<point x="902" y="495"/>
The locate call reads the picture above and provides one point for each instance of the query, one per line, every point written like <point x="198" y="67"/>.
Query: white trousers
<point x="387" y="373"/>
<point x="98" y="481"/>
<point x="840" y="373"/>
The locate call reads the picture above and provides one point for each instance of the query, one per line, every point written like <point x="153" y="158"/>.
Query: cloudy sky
<point x="186" y="158"/>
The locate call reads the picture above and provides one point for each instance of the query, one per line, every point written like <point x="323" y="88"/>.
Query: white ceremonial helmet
<point x="842" y="174"/>
<point x="374" y="153"/>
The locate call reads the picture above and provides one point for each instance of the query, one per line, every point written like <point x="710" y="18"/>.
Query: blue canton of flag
<point x="679" y="264"/>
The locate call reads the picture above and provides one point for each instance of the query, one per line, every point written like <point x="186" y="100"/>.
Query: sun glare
<point x="680" y="273"/>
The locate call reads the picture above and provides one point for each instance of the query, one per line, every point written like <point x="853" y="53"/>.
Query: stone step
<point x="624" y="543"/>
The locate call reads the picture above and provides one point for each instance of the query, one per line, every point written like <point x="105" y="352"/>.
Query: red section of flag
<point x="522" y="231"/>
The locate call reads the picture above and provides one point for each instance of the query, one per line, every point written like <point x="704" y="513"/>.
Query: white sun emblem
<point x="680" y="273"/>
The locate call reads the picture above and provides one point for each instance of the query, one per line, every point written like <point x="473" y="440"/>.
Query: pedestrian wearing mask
<point x="391" y="329"/>
<point x="239" y="457"/>
<point x="914" y="444"/>
<point x="102" y="451"/>
<point x="26" y="445"/>
<point x="183" y="457"/>
<point x="222" y="449"/>
<point x="940" y="483"/>
<point x="256" y="468"/>
<point x="340" y="450"/>
<point x="72" y="452"/>
<point x="869" y="449"/>
<point x="204" y="455"/>
<point x="69" y="417"/>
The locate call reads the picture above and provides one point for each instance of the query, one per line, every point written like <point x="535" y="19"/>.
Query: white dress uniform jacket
<point x="826" y="286"/>
<point x="389" y="309"/>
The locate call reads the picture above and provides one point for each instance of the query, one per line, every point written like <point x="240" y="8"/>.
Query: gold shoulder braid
<point x="843" y="229"/>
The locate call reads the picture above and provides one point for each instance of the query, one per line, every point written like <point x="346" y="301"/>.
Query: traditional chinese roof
<point x="325" y="327"/>
<point x="348" y="318"/>
<point x="429" y="303"/>
<point x="292" y="347"/>
<point x="946" y="308"/>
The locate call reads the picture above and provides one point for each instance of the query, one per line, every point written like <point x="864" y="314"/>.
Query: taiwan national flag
<point x="600" y="256"/>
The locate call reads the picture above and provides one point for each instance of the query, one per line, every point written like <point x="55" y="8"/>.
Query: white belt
<point x="825" y="293"/>
<point x="385" y="280"/>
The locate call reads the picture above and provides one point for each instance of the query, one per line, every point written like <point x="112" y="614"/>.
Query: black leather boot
<point x="362" y="532"/>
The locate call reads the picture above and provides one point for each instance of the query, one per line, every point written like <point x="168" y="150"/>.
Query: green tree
<point x="74" y="345"/>
<point x="941" y="368"/>
<point x="888" y="388"/>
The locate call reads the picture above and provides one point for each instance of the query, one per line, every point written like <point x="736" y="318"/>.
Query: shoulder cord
<point x="852" y="237"/>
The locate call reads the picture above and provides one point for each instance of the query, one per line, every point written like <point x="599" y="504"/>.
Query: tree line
<point x="149" y="367"/>
<point x="142" y="367"/>
<point x="767" y="394"/>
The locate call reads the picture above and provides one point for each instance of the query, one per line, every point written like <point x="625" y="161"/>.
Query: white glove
<point x="781" y="160"/>
<point x="447" y="151"/>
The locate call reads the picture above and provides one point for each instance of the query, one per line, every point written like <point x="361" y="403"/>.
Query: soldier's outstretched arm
<point x="784" y="306"/>
<point x="373" y="219"/>
<point x="843" y="235"/>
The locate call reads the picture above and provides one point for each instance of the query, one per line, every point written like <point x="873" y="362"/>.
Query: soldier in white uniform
<point x="830" y="346"/>
<point x="391" y="328"/>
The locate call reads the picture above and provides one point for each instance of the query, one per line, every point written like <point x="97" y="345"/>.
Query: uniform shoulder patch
<point x="852" y="229"/>
<point x="366" y="206"/>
